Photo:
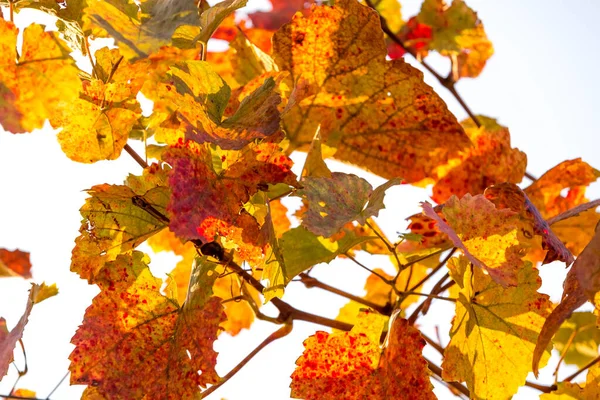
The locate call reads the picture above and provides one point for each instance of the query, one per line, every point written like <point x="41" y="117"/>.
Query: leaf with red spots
<point x="455" y="32"/>
<point x="15" y="263"/>
<point x="494" y="330"/>
<point x="431" y="238"/>
<point x="116" y="219"/>
<point x="8" y="340"/>
<point x="131" y="326"/>
<point x="391" y="122"/>
<point x="34" y="82"/>
<point x="493" y="239"/>
<point x="546" y="194"/>
<point x="208" y="195"/>
<point x="239" y="313"/>
<point x="352" y="365"/>
<point x="282" y="13"/>
<point x="509" y="195"/>
<point x="333" y="202"/>
<point x="491" y="160"/>
<point x="415" y="35"/>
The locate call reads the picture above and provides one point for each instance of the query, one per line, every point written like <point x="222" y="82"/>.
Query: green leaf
<point x="578" y="339"/>
<point x="343" y="198"/>
<point x="302" y="249"/>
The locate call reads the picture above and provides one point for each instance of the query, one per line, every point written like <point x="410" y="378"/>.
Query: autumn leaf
<point x="198" y="208"/>
<point x="510" y="196"/>
<point x="456" y="32"/>
<point x="131" y="326"/>
<point x="351" y="365"/>
<point x="494" y="330"/>
<point x="546" y="194"/>
<point x="491" y="238"/>
<point x="15" y="263"/>
<point x="139" y="30"/>
<point x="194" y="98"/>
<point x="281" y="13"/>
<point x="574" y="391"/>
<point x="115" y="221"/>
<point x="239" y="313"/>
<point x="391" y="11"/>
<point x="389" y="122"/>
<point x="578" y="339"/>
<point x="302" y="249"/>
<point x="491" y="160"/>
<point x="343" y="198"/>
<point x="34" y="82"/>
<point x="8" y="340"/>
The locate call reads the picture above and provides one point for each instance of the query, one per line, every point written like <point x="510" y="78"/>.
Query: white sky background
<point x="542" y="83"/>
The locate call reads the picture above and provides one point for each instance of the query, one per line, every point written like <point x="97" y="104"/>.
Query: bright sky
<point x="542" y="83"/>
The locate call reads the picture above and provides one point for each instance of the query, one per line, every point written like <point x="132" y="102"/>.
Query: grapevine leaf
<point x="588" y="266"/>
<point x="198" y="208"/>
<point x="199" y="101"/>
<point x="112" y="224"/>
<point x="350" y="365"/>
<point x="131" y="326"/>
<point x="212" y="18"/>
<point x="390" y="10"/>
<point x="390" y="122"/>
<point x="494" y="330"/>
<point x="273" y="267"/>
<point x="282" y="12"/>
<point x="139" y="31"/>
<point x="8" y="340"/>
<point x="15" y="263"/>
<point x="578" y="339"/>
<point x="32" y="84"/>
<point x="343" y="198"/>
<point x="302" y="249"/>
<point x="239" y="313"/>
<point x="456" y="32"/>
<point x="491" y="160"/>
<point x="509" y="195"/>
<point x="545" y="193"/>
<point x="491" y="238"/>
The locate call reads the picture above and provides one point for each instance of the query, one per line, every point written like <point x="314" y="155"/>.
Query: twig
<point x="12" y="396"/>
<point x="383" y="278"/>
<point x="425" y="304"/>
<point x="89" y="54"/>
<point x="136" y="156"/>
<point x="25" y="369"/>
<point x="434" y="270"/>
<point x="588" y="365"/>
<point x="57" y="385"/>
<point x="278" y="334"/>
<point x="530" y="177"/>
<point x="391" y="249"/>
<point x="541" y="388"/>
<point x="311" y="282"/>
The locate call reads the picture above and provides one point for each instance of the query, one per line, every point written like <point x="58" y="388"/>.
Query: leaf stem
<point x="136" y="156"/>
<point x="89" y="54"/>
<point x="434" y="270"/>
<point x="564" y="353"/>
<point x="278" y="334"/>
<point x="311" y="282"/>
<point x="58" y="385"/>
<point x="391" y="249"/>
<point x="424" y="306"/>
<point x="383" y="278"/>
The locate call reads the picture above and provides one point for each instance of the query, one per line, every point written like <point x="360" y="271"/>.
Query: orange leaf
<point x="131" y="326"/>
<point x="390" y="122"/>
<point x="351" y="365"/>
<point x="15" y="263"/>
<point x="43" y="76"/>
<point x="491" y="160"/>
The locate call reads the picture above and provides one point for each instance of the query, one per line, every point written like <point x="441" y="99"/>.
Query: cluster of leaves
<point x="328" y="81"/>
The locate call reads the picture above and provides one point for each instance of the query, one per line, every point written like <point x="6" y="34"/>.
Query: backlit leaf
<point x="34" y="82"/>
<point x="351" y="365"/>
<point x="343" y="198"/>
<point x="205" y="203"/>
<point x="112" y="224"/>
<point x="574" y="391"/>
<point x="131" y="326"/>
<point x="139" y="31"/>
<point x="578" y="339"/>
<point x="457" y="32"/>
<point x="494" y="330"/>
<point x="8" y="340"/>
<point x="212" y="18"/>
<point x="15" y="263"/>
<point x="379" y="114"/>
<point x="491" y="160"/>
